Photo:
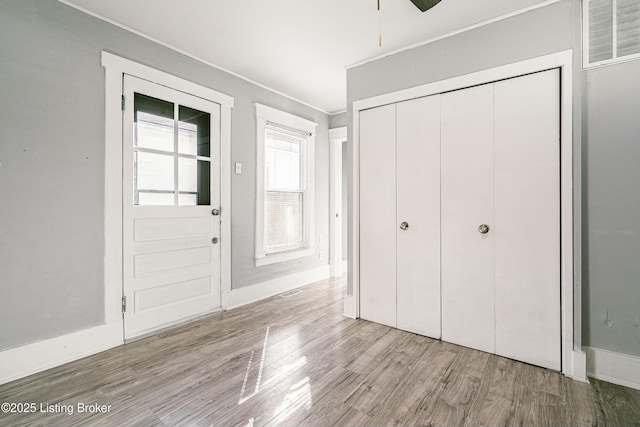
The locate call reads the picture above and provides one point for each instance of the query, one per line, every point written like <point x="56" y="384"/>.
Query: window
<point x="284" y="208"/>
<point x="611" y="31"/>
<point x="170" y="154"/>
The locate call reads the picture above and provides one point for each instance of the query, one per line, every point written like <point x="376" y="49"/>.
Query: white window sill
<point x="284" y="256"/>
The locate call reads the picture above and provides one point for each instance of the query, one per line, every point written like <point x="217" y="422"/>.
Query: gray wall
<point x="611" y="208"/>
<point x="606" y="140"/>
<point x="52" y="166"/>
<point x="338" y="120"/>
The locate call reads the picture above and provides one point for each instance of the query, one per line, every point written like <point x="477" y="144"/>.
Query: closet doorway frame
<point x="573" y="358"/>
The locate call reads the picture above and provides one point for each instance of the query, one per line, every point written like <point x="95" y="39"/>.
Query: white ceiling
<point x="296" y="47"/>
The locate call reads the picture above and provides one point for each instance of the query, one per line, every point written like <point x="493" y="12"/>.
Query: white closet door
<point x="418" y="204"/>
<point x="527" y="208"/>
<point x="378" y="215"/>
<point x="467" y="202"/>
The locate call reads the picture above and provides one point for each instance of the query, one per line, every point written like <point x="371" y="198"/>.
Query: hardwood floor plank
<point x="299" y="362"/>
<point x="620" y="405"/>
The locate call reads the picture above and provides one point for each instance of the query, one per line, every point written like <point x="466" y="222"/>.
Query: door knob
<point x="215" y="212"/>
<point x="214" y="240"/>
<point x="404" y="226"/>
<point x="483" y="228"/>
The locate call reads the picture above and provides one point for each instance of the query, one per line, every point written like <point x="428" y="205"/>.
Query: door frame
<point x="115" y="69"/>
<point x="572" y="355"/>
<point x="337" y="137"/>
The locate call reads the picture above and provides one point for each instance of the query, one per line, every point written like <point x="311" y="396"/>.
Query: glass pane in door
<point x="153" y="179"/>
<point x="194" y="132"/>
<point x="193" y="182"/>
<point x="154" y="124"/>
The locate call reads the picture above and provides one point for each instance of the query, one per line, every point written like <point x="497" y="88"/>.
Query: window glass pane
<point x="628" y="32"/>
<point x="153" y="175"/>
<point x="282" y="164"/>
<point x="283" y="220"/>
<point x="188" y="175"/>
<point x="193" y="132"/>
<point x="155" y="199"/>
<point x="153" y="123"/>
<point x="600" y="30"/>
<point x="194" y="182"/>
<point x="187" y="199"/>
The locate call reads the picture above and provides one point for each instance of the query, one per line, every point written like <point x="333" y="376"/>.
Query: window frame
<point x="174" y="153"/>
<point x="586" y="63"/>
<point x="271" y="118"/>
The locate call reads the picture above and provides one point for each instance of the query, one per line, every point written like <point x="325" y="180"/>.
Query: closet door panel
<point x="418" y="204"/>
<point x="527" y="223"/>
<point x="467" y="202"/>
<point x="378" y="215"/>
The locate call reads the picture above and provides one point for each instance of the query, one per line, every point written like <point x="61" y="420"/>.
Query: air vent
<point x="611" y="31"/>
<point x="290" y="293"/>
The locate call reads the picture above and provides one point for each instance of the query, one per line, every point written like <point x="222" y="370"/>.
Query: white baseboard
<point x="350" y="306"/>
<point x="580" y="366"/>
<point x="617" y="368"/>
<point x="248" y="294"/>
<point x="29" y="359"/>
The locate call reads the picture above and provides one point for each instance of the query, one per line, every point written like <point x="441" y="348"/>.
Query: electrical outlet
<point x="238" y="168"/>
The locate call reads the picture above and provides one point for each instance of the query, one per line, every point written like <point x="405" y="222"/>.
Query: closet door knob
<point x="404" y="226"/>
<point x="483" y="228"/>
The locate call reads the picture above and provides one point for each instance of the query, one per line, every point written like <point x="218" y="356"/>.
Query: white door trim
<point x="562" y="60"/>
<point x="337" y="137"/>
<point x="115" y="67"/>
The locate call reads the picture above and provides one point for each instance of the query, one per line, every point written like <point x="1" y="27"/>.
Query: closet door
<point x="378" y="215"/>
<point x="467" y="205"/>
<point x="418" y="206"/>
<point x="527" y="218"/>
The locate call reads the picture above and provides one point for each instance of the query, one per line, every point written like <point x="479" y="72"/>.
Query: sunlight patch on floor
<point x="298" y="397"/>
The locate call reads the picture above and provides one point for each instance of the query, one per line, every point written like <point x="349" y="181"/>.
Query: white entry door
<point x="171" y="222"/>
<point x="501" y="218"/>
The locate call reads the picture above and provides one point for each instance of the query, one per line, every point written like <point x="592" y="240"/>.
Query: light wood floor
<point x="298" y="361"/>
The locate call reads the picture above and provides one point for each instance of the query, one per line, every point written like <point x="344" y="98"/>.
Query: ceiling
<point x="298" y="48"/>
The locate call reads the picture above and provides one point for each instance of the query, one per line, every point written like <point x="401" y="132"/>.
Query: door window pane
<point x="157" y="176"/>
<point x="204" y="182"/>
<point x="194" y="132"/>
<point x="153" y="179"/>
<point x="193" y="181"/>
<point x="283" y="220"/>
<point x="153" y="123"/>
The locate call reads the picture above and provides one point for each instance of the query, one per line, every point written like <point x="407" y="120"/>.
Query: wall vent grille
<point x="289" y="293"/>
<point x="611" y="31"/>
